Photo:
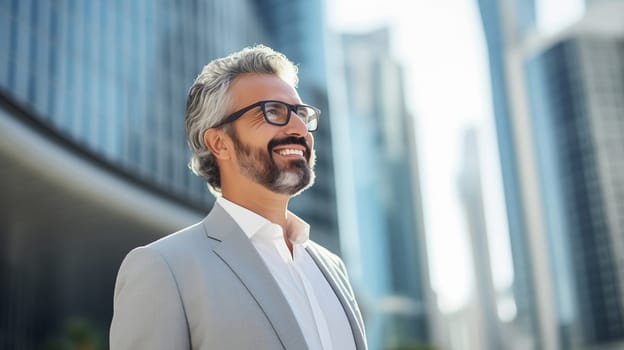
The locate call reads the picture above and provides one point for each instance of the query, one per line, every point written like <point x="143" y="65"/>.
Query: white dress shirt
<point x="314" y="303"/>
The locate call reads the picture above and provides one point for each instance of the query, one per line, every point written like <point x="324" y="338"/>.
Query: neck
<point x="272" y="206"/>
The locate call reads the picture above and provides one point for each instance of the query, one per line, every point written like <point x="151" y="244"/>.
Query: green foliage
<point x="78" y="334"/>
<point x="411" y="346"/>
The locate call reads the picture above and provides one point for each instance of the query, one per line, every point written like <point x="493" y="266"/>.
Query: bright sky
<point x="553" y="15"/>
<point x="441" y="46"/>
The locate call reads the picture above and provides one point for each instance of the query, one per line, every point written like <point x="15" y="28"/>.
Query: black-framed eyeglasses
<point x="278" y="113"/>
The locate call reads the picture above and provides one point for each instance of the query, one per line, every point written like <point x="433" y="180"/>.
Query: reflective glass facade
<point x="112" y="76"/>
<point x="390" y="231"/>
<point x="571" y="92"/>
<point x="523" y="290"/>
<point x="576" y="91"/>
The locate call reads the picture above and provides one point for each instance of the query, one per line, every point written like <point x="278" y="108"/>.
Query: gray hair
<point x="208" y="100"/>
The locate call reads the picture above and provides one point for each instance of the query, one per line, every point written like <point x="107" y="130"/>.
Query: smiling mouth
<point x="290" y="148"/>
<point x="290" y="151"/>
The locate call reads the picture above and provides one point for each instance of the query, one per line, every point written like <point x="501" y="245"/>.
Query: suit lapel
<point x="242" y="258"/>
<point x="354" y="320"/>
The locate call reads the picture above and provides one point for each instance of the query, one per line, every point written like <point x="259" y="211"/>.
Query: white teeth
<point x="288" y="151"/>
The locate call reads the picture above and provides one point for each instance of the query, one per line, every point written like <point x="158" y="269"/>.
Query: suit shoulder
<point x="320" y="249"/>
<point x="326" y="254"/>
<point x="179" y="246"/>
<point x="180" y="239"/>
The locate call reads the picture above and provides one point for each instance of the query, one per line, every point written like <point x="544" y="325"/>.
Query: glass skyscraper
<point x="485" y="323"/>
<point x="113" y="76"/>
<point x="563" y="124"/>
<point x="523" y="286"/>
<point x="376" y="147"/>
<point x="576" y="90"/>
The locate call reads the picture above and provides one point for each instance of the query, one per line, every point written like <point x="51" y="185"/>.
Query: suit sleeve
<point x="147" y="310"/>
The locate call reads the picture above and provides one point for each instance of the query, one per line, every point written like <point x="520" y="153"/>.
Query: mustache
<point x="292" y="140"/>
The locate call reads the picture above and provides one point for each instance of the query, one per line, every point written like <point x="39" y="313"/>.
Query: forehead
<point x="247" y="89"/>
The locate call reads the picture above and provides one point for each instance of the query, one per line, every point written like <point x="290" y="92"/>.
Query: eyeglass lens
<point x="278" y="113"/>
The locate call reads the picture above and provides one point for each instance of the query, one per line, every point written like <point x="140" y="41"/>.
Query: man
<point x="246" y="277"/>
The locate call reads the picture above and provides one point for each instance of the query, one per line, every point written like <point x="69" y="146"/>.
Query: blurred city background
<point x="470" y="159"/>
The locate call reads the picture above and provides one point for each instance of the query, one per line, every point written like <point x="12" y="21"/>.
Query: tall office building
<point x="566" y="92"/>
<point x="375" y="146"/>
<point x="499" y="29"/>
<point x="576" y="96"/>
<point x="92" y="143"/>
<point x="485" y="323"/>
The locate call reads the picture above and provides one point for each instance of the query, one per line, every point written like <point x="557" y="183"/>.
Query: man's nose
<point x="296" y="125"/>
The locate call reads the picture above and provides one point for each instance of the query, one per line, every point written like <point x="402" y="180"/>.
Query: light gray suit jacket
<point x="206" y="287"/>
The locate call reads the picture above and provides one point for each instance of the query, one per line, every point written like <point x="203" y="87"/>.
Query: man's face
<point x="280" y="158"/>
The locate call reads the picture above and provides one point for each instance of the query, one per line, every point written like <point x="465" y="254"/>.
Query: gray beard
<point x="259" y="166"/>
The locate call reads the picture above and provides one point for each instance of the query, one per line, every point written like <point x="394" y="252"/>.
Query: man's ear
<point x="218" y="142"/>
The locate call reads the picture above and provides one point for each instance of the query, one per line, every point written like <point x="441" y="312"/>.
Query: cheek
<point x="310" y="139"/>
<point x="257" y="138"/>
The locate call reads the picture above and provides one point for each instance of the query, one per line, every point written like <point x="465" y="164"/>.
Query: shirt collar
<point x="251" y="223"/>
